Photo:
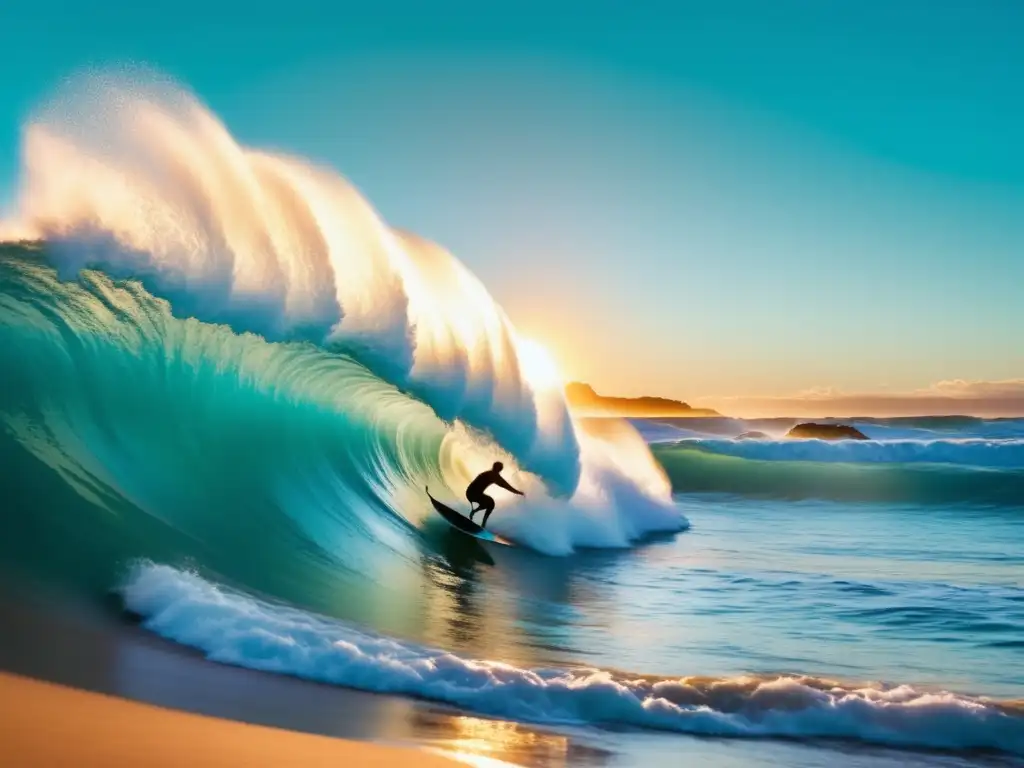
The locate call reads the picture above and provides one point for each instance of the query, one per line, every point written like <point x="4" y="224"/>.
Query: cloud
<point x="1011" y="389"/>
<point x="943" y="398"/>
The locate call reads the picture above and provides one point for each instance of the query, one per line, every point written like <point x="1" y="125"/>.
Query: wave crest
<point x="133" y="176"/>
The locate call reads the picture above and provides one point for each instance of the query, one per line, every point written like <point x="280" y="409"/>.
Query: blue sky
<point x="684" y="199"/>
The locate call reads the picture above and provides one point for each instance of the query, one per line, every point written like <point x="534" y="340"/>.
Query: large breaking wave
<point x="218" y="305"/>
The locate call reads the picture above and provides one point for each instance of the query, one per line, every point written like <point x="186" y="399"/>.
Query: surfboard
<point x="462" y="523"/>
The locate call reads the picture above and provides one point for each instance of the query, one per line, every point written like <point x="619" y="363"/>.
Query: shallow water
<point x="812" y="620"/>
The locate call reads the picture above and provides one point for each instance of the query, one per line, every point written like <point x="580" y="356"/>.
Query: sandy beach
<point x="44" y="724"/>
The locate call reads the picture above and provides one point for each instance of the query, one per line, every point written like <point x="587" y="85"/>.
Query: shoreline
<point x="82" y="648"/>
<point x="91" y="657"/>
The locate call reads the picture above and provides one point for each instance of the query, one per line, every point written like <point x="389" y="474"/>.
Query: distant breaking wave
<point x="232" y="628"/>
<point x="937" y="460"/>
<point x="692" y="470"/>
<point x="970" y="452"/>
<point x="911" y="429"/>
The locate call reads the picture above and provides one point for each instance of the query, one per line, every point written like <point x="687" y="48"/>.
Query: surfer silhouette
<point x="475" y="492"/>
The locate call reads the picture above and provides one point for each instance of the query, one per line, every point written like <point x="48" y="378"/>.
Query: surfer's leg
<point x="486" y="503"/>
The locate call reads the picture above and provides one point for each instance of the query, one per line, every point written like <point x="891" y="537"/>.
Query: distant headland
<point x="584" y="401"/>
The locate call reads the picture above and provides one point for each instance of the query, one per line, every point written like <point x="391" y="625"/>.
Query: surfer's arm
<point x="499" y="480"/>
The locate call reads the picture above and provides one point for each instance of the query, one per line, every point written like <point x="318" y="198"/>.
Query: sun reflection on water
<point x="482" y="742"/>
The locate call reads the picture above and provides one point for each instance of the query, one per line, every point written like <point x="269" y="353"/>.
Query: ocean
<point x="227" y="383"/>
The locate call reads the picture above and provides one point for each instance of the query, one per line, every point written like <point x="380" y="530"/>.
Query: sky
<point x="744" y="204"/>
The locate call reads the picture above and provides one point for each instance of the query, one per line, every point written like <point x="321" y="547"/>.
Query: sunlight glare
<point x="537" y="364"/>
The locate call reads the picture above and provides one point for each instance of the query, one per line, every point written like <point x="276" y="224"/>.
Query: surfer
<point x="475" y="491"/>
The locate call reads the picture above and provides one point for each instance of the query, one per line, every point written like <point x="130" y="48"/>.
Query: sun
<point x="537" y="365"/>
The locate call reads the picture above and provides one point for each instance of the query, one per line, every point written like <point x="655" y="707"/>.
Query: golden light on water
<point x="482" y="742"/>
<point x="470" y="759"/>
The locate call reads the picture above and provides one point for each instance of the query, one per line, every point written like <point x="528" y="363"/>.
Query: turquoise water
<point x="855" y="592"/>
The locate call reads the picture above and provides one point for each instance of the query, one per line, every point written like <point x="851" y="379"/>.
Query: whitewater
<point x="235" y="629"/>
<point x="227" y="381"/>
